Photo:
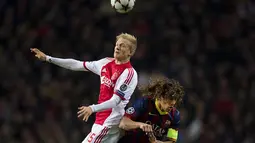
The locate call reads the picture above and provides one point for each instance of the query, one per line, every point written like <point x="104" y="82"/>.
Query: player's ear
<point x="130" y="52"/>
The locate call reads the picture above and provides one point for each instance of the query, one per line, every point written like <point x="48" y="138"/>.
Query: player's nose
<point x="117" y="48"/>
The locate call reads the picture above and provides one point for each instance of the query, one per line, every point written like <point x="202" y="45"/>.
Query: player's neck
<point x="119" y="62"/>
<point x="158" y="104"/>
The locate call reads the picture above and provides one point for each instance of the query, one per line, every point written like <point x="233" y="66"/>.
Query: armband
<point x="172" y="134"/>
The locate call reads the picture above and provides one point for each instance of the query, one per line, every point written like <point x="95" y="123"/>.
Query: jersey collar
<point x="160" y="111"/>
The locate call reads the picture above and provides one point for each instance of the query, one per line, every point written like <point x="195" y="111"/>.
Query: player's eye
<point x="123" y="45"/>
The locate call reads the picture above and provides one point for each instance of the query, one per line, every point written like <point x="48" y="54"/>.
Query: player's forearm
<point x="113" y="102"/>
<point x="128" y="124"/>
<point x="70" y="64"/>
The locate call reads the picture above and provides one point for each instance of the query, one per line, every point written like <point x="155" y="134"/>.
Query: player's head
<point x="125" y="46"/>
<point x="167" y="92"/>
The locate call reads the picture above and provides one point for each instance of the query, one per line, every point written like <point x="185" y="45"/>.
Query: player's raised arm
<point x="70" y="64"/>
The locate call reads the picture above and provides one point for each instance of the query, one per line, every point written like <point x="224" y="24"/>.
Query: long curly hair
<point x="162" y="87"/>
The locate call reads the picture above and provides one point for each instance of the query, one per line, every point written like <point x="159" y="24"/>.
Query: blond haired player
<point x="118" y="82"/>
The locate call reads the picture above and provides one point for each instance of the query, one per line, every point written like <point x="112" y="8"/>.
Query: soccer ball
<point x="123" y="6"/>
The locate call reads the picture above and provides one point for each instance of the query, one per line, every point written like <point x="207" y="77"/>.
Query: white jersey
<point x="115" y="79"/>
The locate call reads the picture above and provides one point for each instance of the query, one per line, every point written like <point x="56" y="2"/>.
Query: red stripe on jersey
<point x="130" y="76"/>
<point x="103" y="133"/>
<point x="84" y="65"/>
<point x="100" y="140"/>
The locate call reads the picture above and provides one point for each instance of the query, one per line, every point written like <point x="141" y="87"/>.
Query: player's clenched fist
<point x="146" y="127"/>
<point x="152" y="138"/>
<point x="40" y="55"/>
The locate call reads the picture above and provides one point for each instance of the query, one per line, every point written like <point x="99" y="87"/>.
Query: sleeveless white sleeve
<point x="126" y="84"/>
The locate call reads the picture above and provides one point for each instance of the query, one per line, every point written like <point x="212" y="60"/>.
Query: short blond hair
<point x="131" y="38"/>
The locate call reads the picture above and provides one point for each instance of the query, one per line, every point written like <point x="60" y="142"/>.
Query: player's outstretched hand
<point x="85" y="112"/>
<point x="39" y="54"/>
<point x="146" y="127"/>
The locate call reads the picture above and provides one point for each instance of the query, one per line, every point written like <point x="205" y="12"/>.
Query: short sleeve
<point x="96" y="66"/>
<point x="136" y="109"/>
<point x="172" y="132"/>
<point x="126" y="84"/>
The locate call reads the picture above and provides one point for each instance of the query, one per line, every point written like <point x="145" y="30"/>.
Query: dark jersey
<point x="165" y="124"/>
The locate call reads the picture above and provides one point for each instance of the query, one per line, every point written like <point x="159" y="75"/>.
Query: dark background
<point x="206" y="44"/>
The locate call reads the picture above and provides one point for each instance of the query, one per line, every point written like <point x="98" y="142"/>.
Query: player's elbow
<point x="76" y="65"/>
<point x="76" y="68"/>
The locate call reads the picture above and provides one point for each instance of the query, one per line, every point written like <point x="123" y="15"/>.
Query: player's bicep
<point x="95" y="66"/>
<point x="126" y="84"/>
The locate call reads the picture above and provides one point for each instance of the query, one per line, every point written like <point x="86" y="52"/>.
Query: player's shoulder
<point x="142" y="101"/>
<point x="109" y="58"/>
<point x="175" y="115"/>
<point x="146" y="99"/>
<point x="105" y="60"/>
<point x="130" y="71"/>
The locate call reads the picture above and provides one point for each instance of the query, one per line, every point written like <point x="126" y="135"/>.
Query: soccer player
<point x="118" y="82"/>
<point x="155" y="108"/>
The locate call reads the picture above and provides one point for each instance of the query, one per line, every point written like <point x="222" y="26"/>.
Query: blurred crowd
<point x="208" y="45"/>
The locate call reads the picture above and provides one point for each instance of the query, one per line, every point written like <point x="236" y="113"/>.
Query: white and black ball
<point x="123" y="6"/>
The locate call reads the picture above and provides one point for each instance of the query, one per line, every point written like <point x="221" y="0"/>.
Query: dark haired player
<point x="154" y="118"/>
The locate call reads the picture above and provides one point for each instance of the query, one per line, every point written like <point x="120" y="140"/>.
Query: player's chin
<point x="166" y="110"/>
<point x="118" y="57"/>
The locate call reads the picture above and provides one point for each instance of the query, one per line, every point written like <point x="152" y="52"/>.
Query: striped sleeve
<point x="126" y="84"/>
